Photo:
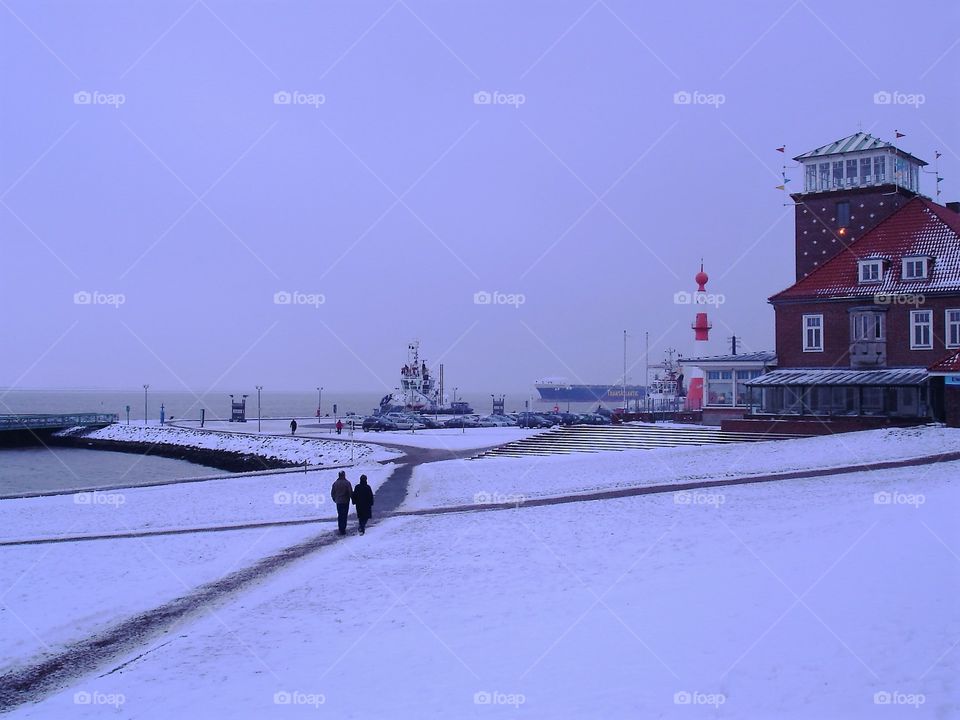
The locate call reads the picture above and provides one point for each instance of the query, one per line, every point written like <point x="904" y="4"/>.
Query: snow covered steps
<point x="598" y="438"/>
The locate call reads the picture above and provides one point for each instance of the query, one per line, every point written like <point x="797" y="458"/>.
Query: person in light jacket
<point x="363" y="499"/>
<point x="341" y="491"/>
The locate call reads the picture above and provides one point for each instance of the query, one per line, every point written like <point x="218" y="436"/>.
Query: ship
<point x="418" y="391"/>
<point x="559" y="390"/>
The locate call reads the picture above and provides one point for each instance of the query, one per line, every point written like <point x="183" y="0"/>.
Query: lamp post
<point x="319" y="403"/>
<point x="145" y="388"/>
<point x="259" y="388"/>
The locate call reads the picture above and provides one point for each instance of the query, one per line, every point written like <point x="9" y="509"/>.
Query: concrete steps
<point x="601" y="438"/>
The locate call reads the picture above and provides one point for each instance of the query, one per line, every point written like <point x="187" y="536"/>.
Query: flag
<point x="782" y="148"/>
<point x="938" y="154"/>
<point x="781" y="187"/>
<point x="899" y="134"/>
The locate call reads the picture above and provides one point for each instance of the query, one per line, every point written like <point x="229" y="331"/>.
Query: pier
<point x="28" y="429"/>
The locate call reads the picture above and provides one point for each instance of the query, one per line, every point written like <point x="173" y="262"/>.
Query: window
<point x="851" y="172"/>
<point x="813" y="333"/>
<point x="838" y="174"/>
<point x="921" y="330"/>
<point x="871" y="271"/>
<point x="879" y="169"/>
<point x="915" y="268"/>
<point x="719" y="387"/>
<point x="843" y="213"/>
<point x="865" y="173"/>
<point x="867" y="326"/>
<point x="953" y="328"/>
<point x="824" y="175"/>
<point x="810" y="178"/>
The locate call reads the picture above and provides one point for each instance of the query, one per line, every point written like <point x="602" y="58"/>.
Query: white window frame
<point x="949" y="325"/>
<point x="810" y="347"/>
<point x="909" y="260"/>
<point x="870" y="263"/>
<point x="915" y="325"/>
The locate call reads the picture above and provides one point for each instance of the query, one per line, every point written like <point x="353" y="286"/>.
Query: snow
<point x="802" y="599"/>
<point x="495" y="479"/>
<point x="816" y="597"/>
<point x="328" y="452"/>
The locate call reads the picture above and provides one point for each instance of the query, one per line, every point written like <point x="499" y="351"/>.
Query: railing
<point x="23" y="422"/>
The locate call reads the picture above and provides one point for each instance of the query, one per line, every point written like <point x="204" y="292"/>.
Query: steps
<point x="600" y="438"/>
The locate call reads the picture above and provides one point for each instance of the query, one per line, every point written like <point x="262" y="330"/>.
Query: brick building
<point x="863" y="334"/>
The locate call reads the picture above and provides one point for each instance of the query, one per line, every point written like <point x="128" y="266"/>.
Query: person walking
<point x="363" y="499"/>
<point x="341" y="492"/>
<point x="339" y="427"/>
<point x="293" y="427"/>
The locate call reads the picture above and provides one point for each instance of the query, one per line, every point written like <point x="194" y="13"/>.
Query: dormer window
<point x="916" y="267"/>
<point x="871" y="270"/>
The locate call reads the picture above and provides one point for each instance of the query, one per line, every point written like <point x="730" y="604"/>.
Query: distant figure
<point x="293" y="427"/>
<point x="341" y="491"/>
<point x="339" y="426"/>
<point x="363" y="499"/>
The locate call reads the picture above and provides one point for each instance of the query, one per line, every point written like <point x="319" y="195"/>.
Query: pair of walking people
<point x="343" y="492"/>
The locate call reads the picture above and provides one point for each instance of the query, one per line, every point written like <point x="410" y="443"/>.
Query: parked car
<point x="461" y="421"/>
<point x="533" y="420"/>
<point x="378" y="424"/>
<point x="430" y="422"/>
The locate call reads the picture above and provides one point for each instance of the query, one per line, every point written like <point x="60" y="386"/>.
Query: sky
<point x="213" y="195"/>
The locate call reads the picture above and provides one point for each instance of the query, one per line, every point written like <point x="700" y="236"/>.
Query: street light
<point x="259" y="388"/>
<point x="319" y="403"/>
<point x="145" y="388"/>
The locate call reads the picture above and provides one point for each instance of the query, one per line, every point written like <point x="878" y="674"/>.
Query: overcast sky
<point x="161" y="201"/>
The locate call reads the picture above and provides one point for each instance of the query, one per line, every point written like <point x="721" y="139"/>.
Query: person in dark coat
<point x="341" y="491"/>
<point x="363" y="499"/>
<point x="293" y="427"/>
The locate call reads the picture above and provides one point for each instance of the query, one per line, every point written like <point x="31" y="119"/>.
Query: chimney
<point x="955" y="206"/>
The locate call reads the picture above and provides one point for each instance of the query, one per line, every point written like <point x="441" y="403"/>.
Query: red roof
<point x="921" y="227"/>
<point x="950" y="364"/>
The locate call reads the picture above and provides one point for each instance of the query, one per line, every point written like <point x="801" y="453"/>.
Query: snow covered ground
<point x="819" y="598"/>
<point x="830" y="597"/>
<point x="455" y="482"/>
<point x="443" y="439"/>
<point x="327" y="452"/>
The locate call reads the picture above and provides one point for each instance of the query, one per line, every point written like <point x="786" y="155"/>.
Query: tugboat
<point x="666" y="391"/>
<point x="418" y="391"/>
